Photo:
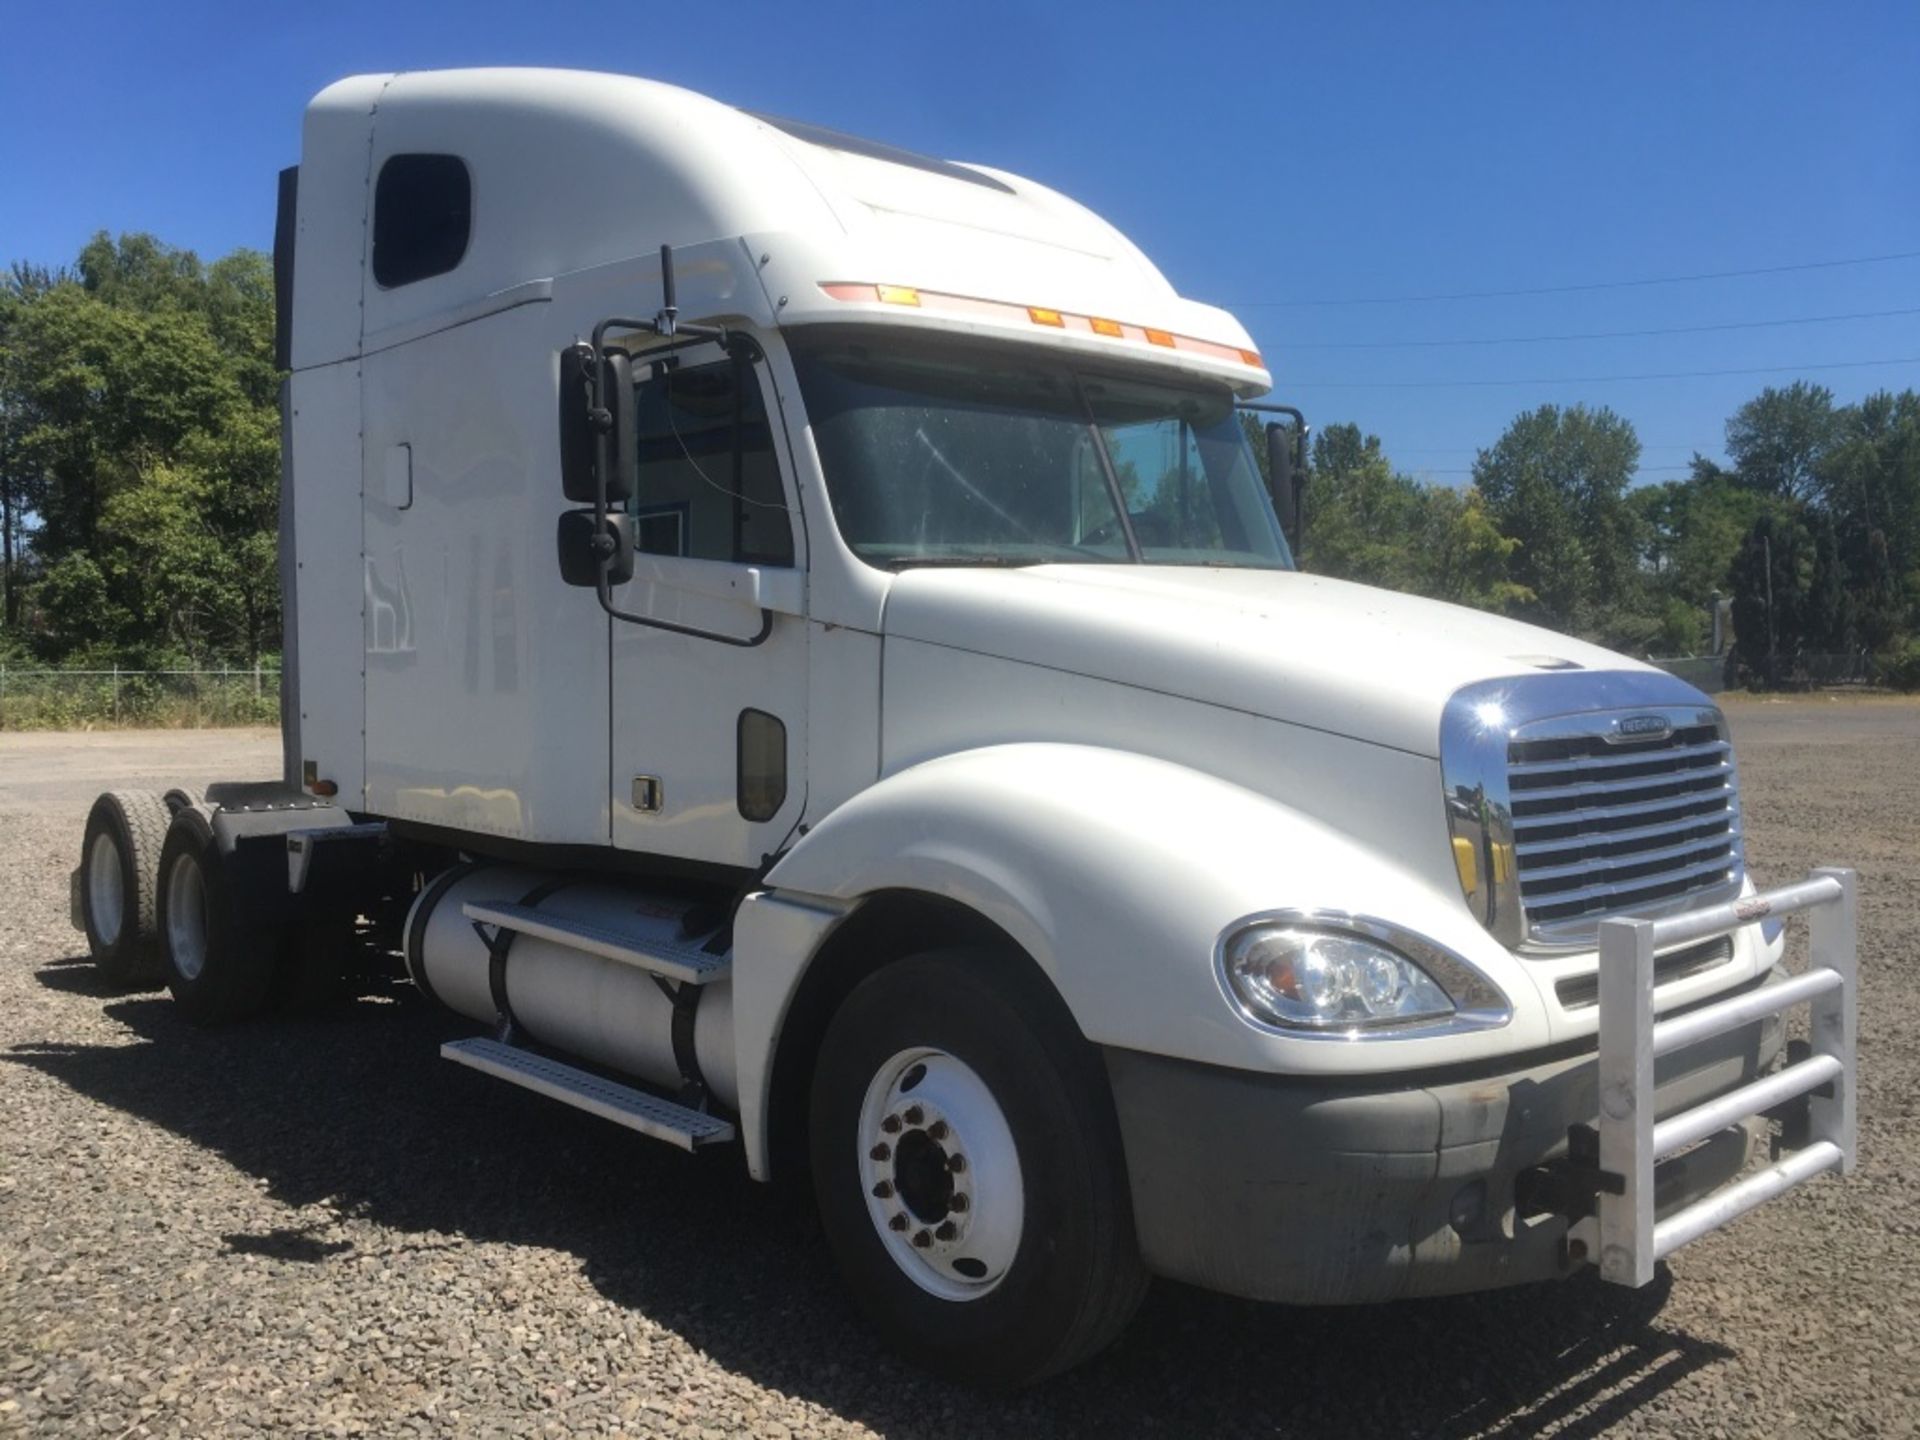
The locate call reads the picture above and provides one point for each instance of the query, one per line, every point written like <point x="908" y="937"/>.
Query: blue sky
<point x="1263" y="155"/>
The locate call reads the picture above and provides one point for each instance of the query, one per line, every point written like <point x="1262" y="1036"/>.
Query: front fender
<point x="1117" y="873"/>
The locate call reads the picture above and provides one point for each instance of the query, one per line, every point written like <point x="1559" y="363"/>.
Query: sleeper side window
<point x="709" y="478"/>
<point x="422" y="217"/>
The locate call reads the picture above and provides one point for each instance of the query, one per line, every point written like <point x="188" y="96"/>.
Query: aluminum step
<point x="653" y="944"/>
<point x="610" y="1100"/>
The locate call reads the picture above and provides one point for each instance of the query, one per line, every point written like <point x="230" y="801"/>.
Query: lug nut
<point x="922" y="1240"/>
<point x="891" y="1124"/>
<point x="882" y="1151"/>
<point x="937" y="1130"/>
<point x="946" y="1231"/>
<point x="915" y="1115"/>
<point x="898" y="1222"/>
<point x="883" y="1191"/>
<point x="958" y="1204"/>
<point x="956" y="1162"/>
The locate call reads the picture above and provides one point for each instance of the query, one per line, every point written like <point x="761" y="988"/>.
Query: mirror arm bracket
<point x="666" y="324"/>
<point x="743" y="642"/>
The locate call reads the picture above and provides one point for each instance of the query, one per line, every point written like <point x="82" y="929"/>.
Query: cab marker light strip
<point x="1040" y="315"/>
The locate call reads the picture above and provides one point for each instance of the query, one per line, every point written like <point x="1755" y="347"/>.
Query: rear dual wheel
<point x="968" y="1170"/>
<point x="119" y="859"/>
<point x="221" y="926"/>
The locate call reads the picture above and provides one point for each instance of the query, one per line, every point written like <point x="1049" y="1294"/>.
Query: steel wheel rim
<point x="941" y="1174"/>
<point x="187" y="918"/>
<point x="106" y="888"/>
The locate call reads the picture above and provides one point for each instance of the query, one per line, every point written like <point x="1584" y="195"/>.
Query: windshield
<point x="961" y="454"/>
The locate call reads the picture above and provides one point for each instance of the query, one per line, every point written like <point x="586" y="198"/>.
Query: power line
<point x="1598" y="334"/>
<point x="1590" y="379"/>
<point x="1638" y="470"/>
<point x="1476" y="449"/>
<point x="1572" y="289"/>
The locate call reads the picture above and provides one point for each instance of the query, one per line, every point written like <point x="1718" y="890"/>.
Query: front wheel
<point x="969" y="1173"/>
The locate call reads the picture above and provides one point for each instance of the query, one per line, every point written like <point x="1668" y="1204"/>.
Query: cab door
<point x="709" y="730"/>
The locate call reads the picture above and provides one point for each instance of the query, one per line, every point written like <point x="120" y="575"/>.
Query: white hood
<point x="1344" y="658"/>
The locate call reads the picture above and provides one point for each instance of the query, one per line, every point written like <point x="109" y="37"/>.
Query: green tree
<point x="1772" y="577"/>
<point x="1878" y="609"/>
<point x="1555" y="481"/>
<point x="1363" y="519"/>
<point x="1869" y="483"/>
<point x="139" y="428"/>
<point x="1689" y="530"/>
<point x="1368" y="522"/>
<point x="1778" y="439"/>
<point x="20" y="487"/>
<point x="1465" y="557"/>
<point x="1829" y="618"/>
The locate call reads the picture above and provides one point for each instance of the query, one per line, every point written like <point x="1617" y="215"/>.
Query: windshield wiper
<point x="1009" y="562"/>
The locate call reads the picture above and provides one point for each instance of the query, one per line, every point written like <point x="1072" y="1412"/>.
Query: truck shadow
<point x="354" y="1113"/>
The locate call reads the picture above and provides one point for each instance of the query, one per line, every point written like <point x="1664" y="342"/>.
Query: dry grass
<point x="55" y="701"/>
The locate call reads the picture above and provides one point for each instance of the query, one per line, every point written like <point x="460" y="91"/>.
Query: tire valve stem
<point x="922" y="1240"/>
<point x="882" y="1151"/>
<point x="898" y="1222"/>
<point x="883" y="1191"/>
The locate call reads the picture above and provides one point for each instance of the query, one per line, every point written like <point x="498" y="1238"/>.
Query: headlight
<point x="1343" y="973"/>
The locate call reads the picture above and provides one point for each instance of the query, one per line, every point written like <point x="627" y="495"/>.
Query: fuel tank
<point x="605" y="1011"/>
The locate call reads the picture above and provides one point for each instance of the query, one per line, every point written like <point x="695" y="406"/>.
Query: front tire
<point x="119" y="859"/>
<point x="968" y="1170"/>
<point x="218" y="945"/>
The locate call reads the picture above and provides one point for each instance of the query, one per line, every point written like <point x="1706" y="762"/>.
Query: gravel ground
<point x="316" y="1227"/>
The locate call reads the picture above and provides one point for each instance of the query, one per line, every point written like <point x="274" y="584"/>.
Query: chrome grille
<point x="1577" y="795"/>
<point x="1604" y="824"/>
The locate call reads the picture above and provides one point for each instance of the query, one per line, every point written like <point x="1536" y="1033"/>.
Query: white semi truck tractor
<point x="789" y="637"/>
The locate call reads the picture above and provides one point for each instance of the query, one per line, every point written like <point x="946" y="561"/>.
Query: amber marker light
<point x="935" y="301"/>
<point x="1467" y="864"/>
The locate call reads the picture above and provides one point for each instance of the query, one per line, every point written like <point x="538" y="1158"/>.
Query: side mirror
<point x="1288" y="483"/>
<point x="585" y="446"/>
<point x="585" y="546"/>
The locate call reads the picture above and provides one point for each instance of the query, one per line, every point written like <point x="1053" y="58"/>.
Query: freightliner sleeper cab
<point x="789" y="637"/>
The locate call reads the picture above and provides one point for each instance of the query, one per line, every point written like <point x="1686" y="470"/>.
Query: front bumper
<point x="1327" y="1192"/>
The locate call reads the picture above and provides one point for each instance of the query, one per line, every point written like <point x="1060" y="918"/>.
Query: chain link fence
<point x="159" y="699"/>
<point x="1706" y="673"/>
<point x="1714" y="673"/>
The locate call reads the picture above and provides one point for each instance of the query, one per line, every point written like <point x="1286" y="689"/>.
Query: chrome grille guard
<point x="1818" y="1091"/>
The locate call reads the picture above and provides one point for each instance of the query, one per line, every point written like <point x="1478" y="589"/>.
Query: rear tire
<point x="119" y="860"/>
<point x="993" y="1240"/>
<point x="219" y="943"/>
